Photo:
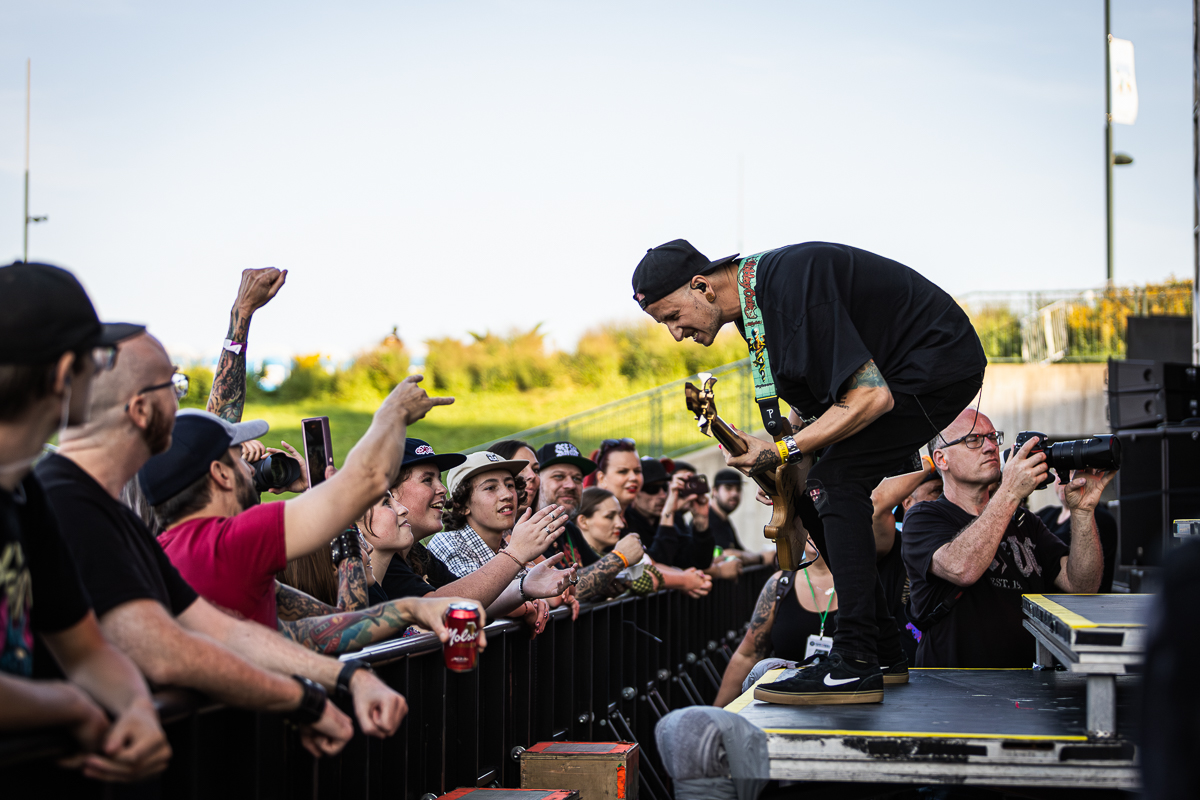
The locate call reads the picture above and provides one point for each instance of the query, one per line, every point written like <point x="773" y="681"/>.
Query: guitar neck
<point x="724" y="433"/>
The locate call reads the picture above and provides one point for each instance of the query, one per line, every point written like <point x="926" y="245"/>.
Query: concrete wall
<point x="1062" y="400"/>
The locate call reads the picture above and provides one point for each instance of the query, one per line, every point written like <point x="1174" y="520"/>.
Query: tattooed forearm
<point x="228" y="395"/>
<point x="763" y="619"/>
<point x="767" y="459"/>
<point x="344" y="632"/>
<point x="293" y="604"/>
<point x="352" y="585"/>
<point x="595" y="581"/>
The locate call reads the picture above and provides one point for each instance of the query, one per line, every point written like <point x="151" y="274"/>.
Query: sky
<point x="448" y="167"/>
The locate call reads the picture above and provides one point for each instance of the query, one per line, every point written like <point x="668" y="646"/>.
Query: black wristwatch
<point x="312" y="702"/>
<point x="345" y="545"/>
<point x="348" y="670"/>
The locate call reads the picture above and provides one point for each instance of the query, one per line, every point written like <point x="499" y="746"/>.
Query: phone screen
<point x="316" y="448"/>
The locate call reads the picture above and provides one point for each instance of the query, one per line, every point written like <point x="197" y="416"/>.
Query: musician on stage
<point x="882" y="359"/>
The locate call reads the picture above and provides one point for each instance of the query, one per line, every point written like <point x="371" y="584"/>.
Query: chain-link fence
<point x="657" y="419"/>
<point x="1069" y="325"/>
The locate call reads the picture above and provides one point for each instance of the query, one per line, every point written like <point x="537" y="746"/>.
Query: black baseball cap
<point x="669" y="266"/>
<point x="564" y="453"/>
<point x="418" y="451"/>
<point x="199" y="438"/>
<point x="728" y="477"/>
<point x="653" y="471"/>
<point x="45" y="312"/>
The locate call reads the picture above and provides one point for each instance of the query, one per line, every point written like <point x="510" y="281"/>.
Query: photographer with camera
<point x="658" y="514"/>
<point x="971" y="556"/>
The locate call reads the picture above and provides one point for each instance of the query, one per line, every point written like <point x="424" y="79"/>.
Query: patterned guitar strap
<point x="756" y="339"/>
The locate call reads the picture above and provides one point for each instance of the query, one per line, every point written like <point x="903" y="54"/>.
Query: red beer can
<point x="462" y="620"/>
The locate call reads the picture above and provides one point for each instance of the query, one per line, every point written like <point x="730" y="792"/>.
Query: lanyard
<point x="756" y="339"/>
<point x="813" y="591"/>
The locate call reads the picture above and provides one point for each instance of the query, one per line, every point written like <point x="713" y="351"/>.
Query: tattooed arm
<point x="228" y="394"/>
<point x="755" y="646"/>
<point x="596" y="580"/>
<point x="352" y="585"/>
<point x="291" y="604"/>
<point x="347" y="631"/>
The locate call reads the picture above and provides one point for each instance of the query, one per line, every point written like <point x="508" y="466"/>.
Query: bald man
<point x="970" y="555"/>
<point x="174" y="636"/>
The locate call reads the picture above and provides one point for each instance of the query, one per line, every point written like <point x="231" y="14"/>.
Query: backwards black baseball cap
<point x="669" y="266"/>
<point x="418" y="451"/>
<point x="653" y="471"/>
<point x="44" y="312"/>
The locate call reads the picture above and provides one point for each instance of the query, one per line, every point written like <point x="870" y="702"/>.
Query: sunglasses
<point x="607" y="443"/>
<point x="654" y="488"/>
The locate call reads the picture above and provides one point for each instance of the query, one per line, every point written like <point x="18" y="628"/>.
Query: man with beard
<point x="145" y="608"/>
<point x="726" y="498"/>
<point x="878" y="358"/>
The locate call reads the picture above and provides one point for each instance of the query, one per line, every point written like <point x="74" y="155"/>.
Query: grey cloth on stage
<point x="765" y="666"/>
<point x="712" y="754"/>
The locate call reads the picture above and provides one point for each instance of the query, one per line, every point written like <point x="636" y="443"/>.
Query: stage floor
<point x="982" y="727"/>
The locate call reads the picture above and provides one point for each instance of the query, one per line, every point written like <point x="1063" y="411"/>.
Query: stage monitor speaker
<point x="1159" y="481"/>
<point x="1132" y="375"/>
<point x="1162" y="338"/>
<point x="1136" y="409"/>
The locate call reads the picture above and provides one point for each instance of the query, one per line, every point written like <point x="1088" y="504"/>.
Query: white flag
<point x="1124" y="86"/>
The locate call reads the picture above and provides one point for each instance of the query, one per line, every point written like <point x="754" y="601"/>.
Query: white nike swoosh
<point x="831" y="681"/>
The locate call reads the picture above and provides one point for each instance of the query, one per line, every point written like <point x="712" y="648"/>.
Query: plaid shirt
<point x="462" y="551"/>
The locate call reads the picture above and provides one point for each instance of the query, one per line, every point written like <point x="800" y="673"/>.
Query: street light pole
<point x="28" y="70"/>
<point x="1108" y="141"/>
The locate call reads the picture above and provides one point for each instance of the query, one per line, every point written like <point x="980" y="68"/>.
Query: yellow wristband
<point x="783" y="450"/>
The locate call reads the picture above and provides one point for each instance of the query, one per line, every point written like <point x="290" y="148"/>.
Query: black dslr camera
<point x="276" y="471"/>
<point x="1102" y="451"/>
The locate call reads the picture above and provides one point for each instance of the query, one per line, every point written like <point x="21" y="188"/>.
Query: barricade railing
<point x="609" y="675"/>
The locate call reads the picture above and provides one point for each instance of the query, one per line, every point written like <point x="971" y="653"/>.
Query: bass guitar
<point x="785" y="484"/>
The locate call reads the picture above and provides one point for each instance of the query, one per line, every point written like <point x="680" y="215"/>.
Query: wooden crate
<point x="509" y="794"/>
<point x="597" y="770"/>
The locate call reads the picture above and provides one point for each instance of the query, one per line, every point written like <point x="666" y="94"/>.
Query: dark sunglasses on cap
<point x="607" y="443"/>
<point x="655" y="488"/>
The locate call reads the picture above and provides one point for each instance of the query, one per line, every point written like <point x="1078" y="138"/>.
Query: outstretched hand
<point x="413" y="399"/>
<point x="547" y="580"/>
<point x="535" y="531"/>
<point x="1084" y="490"/>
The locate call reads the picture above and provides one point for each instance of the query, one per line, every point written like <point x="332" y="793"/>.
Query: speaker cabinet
<point x="1159" y="481"/>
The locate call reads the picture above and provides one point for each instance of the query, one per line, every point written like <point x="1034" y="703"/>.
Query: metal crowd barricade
<point x="609" y="675"/>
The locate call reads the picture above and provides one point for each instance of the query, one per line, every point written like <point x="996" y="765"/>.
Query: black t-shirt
<point x="118" y="557"/>
<point x="40" y="590"/>
<point x="1106" y="526"/>
<point x="724" y="536"/>
<point x="983" y="629"/>
<point x="401" y="581"/>
<point x="827" y="309"/>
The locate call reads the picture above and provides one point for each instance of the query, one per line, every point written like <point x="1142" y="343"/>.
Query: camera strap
<point x="756" y="339"/>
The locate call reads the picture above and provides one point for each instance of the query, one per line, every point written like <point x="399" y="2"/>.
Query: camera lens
<point x="1098" y="452"/>
<point x="276" y="471"/>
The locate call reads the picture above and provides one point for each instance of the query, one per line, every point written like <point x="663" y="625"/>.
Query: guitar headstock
<point x="700" y="401"/>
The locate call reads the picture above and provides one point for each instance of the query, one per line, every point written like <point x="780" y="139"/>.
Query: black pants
<point x="840" y="485"/>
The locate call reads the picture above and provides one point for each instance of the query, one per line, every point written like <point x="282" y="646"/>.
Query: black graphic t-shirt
<point x="40" y="590"/>
<point x="827" y="309"/>
<point x="983" y="629"/>
<point x="119" y="559"/>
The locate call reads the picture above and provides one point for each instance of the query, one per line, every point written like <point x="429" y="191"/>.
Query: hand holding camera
<point x="1025" y="470"/>
<point x="274" y="470"/>
<point x="1101" y="453"/>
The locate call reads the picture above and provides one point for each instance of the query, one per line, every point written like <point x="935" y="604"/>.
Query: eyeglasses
<point x="974" y="441"/>
<point x="105" y="358"/>
<point x="178" y="382"/>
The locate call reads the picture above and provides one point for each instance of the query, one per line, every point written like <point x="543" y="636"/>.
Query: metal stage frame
<point x="1043" y="727"/>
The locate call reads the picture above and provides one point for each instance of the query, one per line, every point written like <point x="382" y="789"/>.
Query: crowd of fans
<point x="137" y="553"/>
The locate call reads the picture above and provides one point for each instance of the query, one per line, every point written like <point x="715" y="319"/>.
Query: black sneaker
<point x="896" y="671"/>
<point x="829" y="681"/>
